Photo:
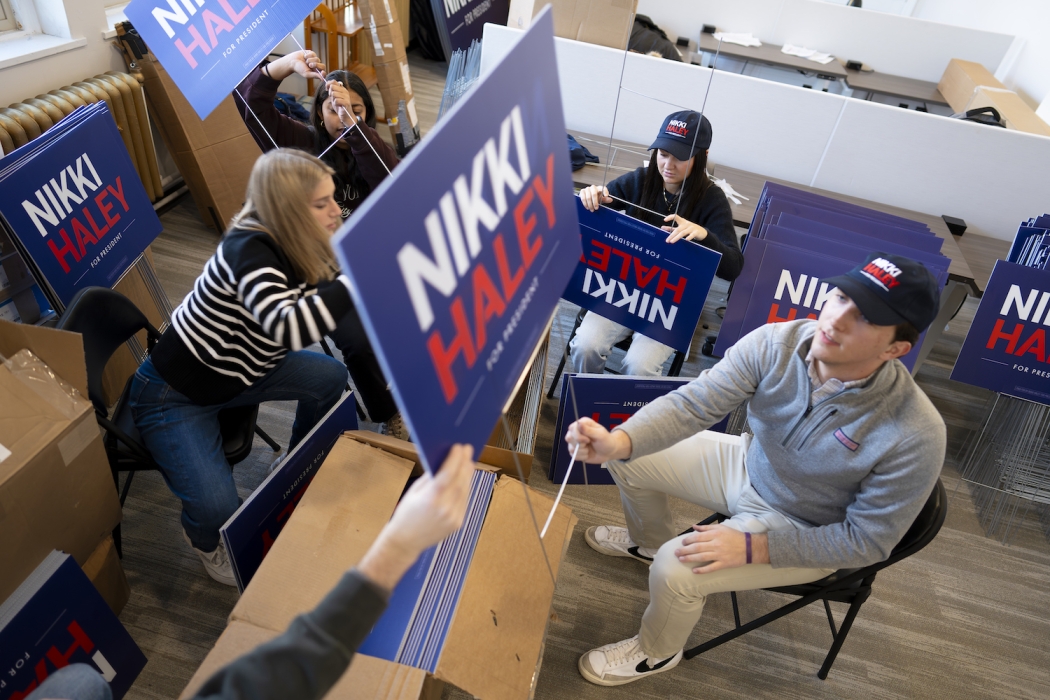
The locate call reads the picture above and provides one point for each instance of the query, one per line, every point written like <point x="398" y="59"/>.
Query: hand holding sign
<point x="305" y="63"/>
<point x="593" y="196"/>
<point x="684" y="229"/>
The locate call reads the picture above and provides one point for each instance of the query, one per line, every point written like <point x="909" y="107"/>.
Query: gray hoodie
<point x="858" y="466"/>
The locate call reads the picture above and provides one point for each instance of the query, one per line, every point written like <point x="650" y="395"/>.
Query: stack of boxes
<point x="391" y="65"/>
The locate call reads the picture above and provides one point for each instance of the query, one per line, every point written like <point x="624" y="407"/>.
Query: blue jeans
<point x="185" y="441"/>
<point x="74" y="682"/>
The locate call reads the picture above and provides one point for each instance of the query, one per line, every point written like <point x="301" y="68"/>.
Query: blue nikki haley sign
<point x="631" y="275"/>
<point x="458" y="259"/>
<point x="1006" y="347"/>
<point x="208" y="46"/>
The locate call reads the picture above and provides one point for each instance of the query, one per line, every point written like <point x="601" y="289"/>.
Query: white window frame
<point x="43" y="31"/>
<point x="8" y="21"/>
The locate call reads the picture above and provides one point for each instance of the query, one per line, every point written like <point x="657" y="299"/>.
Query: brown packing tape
<point x="367" y="677"/>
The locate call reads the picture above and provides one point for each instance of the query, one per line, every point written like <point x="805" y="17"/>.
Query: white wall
<point x="1029" y="20"/>
<point x="87" y="19"/>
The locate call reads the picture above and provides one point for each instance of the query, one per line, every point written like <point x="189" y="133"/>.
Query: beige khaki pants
<point x="707" y="469"/>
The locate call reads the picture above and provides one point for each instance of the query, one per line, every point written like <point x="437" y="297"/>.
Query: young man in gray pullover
<point x="844" y="453"/>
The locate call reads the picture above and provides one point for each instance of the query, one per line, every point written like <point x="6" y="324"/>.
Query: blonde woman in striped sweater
<point x="271" y="288"/>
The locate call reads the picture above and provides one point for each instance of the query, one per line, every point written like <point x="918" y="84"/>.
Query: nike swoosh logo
<point x="634" y="552"/>
<point x="644" y="667"/>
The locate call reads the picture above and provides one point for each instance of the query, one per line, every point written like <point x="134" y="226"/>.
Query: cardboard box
<point x="215" y="156"/>
<point x="1015" y="112"/>
<point x="961" y="79"/>
<point x="602" y="22"/>
<point x="378" y="13"/>
<point x="56" y="490"/>
<point x="394" y="76"/>
<point x="349" y="501"/>
<point x="388" y="43"/>
<point x="105" y="572"/>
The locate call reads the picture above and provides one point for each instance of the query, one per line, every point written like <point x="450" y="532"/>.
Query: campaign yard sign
<point x="457" y="260"/>
<point x="608" y="400"/>
<point x="76" y="204"/>
<point x="629" y="274"/>
<point x="208" y="46"/>
<point x="1006" y="347"/>
<point x="252" y="530"/>
<point x="459" y="22"/>
<point x="56" y="618"/>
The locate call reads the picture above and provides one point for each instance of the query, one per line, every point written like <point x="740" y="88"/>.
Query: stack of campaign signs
<point x="55" y="618"/>
<point x="629" y="274"/>
<point x="796" y="239"/>
<point x="74" y="206"/>
<point x="412" y="631"/>
<point x="1006" y="349"/>
<point x="252" y="530"/>
<point x="1031" y="246"/>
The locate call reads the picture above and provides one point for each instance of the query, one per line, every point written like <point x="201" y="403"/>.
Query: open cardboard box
<point x="602" y="22"/>
<point x="495" y="642"/>
<point x="56" y="490"/>
<point x="960" y="81"/>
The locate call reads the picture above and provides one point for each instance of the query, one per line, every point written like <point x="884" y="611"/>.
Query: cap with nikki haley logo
<point x="891" y="289"/>
<point x="684" y="134"/>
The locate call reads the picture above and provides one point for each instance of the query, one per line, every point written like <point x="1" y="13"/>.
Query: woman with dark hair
<point x="343" y="115"/>
<point x="674" y="193"/>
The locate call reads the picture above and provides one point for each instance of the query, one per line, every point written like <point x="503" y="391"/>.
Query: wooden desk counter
<point x="895" y="86"/>
<point x="771" y="54"/>
<point x="628" y="156"/>
<point x="981" y="252"/>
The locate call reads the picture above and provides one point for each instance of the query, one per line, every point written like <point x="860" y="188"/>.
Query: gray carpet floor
<point x="968" y="617"/>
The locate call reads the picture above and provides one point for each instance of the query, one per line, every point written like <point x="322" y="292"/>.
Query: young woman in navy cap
<point x="674" y="193"/>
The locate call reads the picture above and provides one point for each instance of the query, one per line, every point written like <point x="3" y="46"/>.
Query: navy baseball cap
<point x="891" y="289"/>
<point x="680" y="130"/>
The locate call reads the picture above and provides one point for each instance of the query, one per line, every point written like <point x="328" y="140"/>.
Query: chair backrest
<point x="106" y="319"/>
<point x="923" y="529"/>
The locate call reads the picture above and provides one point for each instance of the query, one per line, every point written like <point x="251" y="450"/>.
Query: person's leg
<point x="74" y="682"/>
<point x="351" y="339"/>
<point x="646" y="357"/>
<point x="313" y="379"/>
<point x="593" y="342"/>
<point x="700" y="469"/>
<point x="185" y="442"/>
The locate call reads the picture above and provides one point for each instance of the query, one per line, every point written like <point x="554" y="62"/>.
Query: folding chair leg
<point x="127" y="487"/>
<point x="847" y="622"/>
<point x="736" y="608"/>
<point x="754" y="624"/>
<point x="267" y="439"/>
<point x="557" y="374"/>
<point x="117" y="542"/>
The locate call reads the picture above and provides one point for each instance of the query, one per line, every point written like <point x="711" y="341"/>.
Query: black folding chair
<point x="851" y="586"/>
<point x="106" y="319"/>
<point x="677" y="360"/>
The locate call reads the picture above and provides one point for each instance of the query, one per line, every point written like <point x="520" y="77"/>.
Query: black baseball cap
<point x="891" y="289"/>
<point x="680" y="130"/>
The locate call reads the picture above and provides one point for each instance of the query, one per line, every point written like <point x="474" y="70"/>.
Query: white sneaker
<point x="277" y="461"/>
<point x="622" y="662"/>
<point x="395" y="427"/>
<point x="616" y="542"/>
<point x="216" y="563"/>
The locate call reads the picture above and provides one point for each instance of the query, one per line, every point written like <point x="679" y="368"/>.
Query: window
<point x="7" y="17"/>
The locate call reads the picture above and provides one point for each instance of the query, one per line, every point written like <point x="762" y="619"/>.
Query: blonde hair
<point x="280" y="188"/>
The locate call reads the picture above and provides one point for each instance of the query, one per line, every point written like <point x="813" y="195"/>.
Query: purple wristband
<point x="747" y="545"/>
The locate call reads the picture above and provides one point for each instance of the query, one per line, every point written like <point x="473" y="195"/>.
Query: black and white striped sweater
<point x="247" y="310"/>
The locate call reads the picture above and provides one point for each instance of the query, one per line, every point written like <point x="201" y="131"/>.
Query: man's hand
<point x="432" y="509"/>
<point x="686" y="229"/>
<point x="597" y="445"/>
<point x="721" y="547"/>
<point x="593" y="196"/>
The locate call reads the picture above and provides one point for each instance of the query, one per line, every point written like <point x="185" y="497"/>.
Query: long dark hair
<point x="692" y="193"/>
<point x="340" y="159"/>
